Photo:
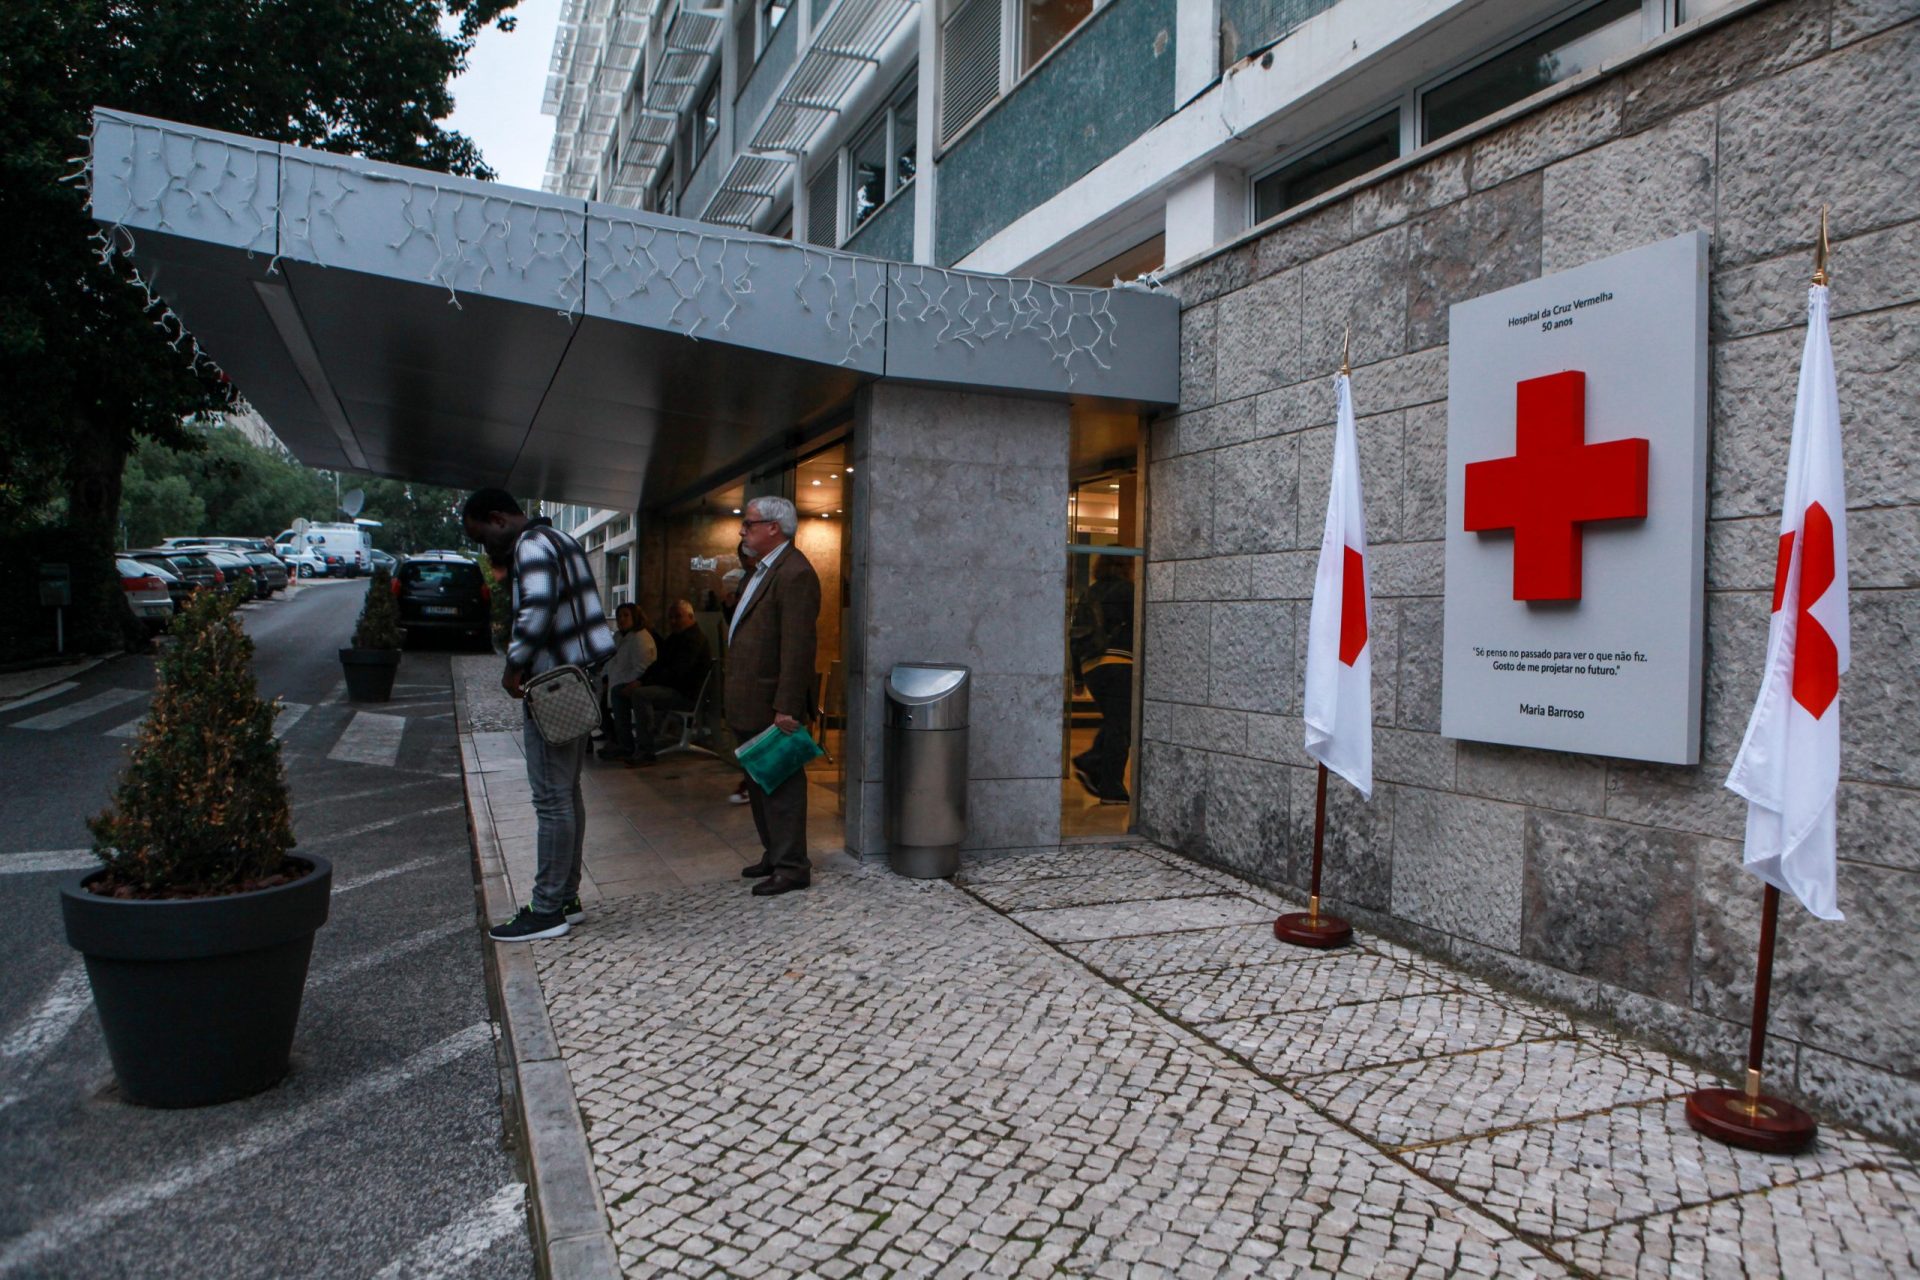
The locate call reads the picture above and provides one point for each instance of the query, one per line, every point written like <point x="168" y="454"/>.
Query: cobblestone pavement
<point x="1098" y="1061"/>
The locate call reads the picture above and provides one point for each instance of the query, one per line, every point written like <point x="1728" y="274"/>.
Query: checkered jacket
<point x="557" y="619"/>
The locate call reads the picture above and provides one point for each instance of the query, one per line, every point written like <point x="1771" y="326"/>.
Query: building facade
<point x="1293" y="167"/>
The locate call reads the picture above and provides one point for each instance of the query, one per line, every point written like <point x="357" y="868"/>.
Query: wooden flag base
<point x="1305" y="929"/>
<point x="1759" y="1122"/>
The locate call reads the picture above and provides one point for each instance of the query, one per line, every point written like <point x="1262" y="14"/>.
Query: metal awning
<point x="751" y="182"/>
<point x="462" y="333"/>
<point x="843" y="48"/>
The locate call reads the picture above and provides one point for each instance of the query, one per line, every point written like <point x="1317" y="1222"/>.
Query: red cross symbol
<point x="1816" y="659"/>
<point x="1554" y="483"/>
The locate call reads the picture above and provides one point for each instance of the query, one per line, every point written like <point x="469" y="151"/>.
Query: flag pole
<point x="1310" y="928"/>
<point x="1748" y="1117"/>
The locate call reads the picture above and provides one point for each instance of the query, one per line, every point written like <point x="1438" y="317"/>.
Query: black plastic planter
<point x="369" y="673"/>
<point x="198" y="996"/>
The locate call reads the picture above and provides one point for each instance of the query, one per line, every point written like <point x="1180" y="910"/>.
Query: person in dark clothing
<point x="1101" y="640"/>
<point x="671" y="683"/>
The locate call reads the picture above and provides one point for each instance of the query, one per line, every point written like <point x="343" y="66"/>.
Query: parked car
<point x="194" y="570"/>
<point x="382" y="560"/>
<point x="235" y="565"/>
<point x="273" y="570"/>
<point x="445" y="594"/>
<point x="341" y="550"/>
<point x="147" y="593"/>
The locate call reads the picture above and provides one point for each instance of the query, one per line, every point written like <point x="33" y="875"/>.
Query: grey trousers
<point x="553" y="774"/>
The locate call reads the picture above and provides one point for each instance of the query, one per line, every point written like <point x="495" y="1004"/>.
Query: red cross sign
<point x="1553" y="484"/>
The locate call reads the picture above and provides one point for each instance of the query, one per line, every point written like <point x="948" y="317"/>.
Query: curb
<point x="572" y="1239"/>
<point x="56" y="672"/>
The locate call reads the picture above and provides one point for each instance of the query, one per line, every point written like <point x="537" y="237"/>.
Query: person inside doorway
<point x="671" y="682"/>
<point x="634" y="651"/>
<point x="771" y="648"/>
<point x="1101" y="644"/>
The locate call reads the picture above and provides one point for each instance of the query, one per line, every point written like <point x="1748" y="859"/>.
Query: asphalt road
<point x="382" y="1153"/>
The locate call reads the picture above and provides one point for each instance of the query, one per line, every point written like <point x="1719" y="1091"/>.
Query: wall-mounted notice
<point x="1576" y="508"/>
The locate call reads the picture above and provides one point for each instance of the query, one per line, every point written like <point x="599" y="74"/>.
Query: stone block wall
<point x="1610" y="885"/>
<point x="960" y="555"/>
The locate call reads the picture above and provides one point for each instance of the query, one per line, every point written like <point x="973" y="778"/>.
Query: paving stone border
<point x="572" y="1239"/>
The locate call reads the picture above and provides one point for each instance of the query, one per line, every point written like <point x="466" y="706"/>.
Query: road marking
<point x="370" y="738"/>
<point x="392" y="951"/>
<point x="452" y="1249"/>
<point x="20" y="864"/>
<point x="51" y="691"/>
<point x="388" y="789"/>
<point x="105" y="700"/>
<point x="383" y="824"/>
<point x="66" y="1000"/>
<point x="290" y="713"/>
<point x="372" y="877"/>
<point x="67" y="1227"/>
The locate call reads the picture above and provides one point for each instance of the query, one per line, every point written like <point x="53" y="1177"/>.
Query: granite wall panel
<point x="1615" y="886"/>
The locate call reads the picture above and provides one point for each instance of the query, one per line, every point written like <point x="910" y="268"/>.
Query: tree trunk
<point x="99" y="618"/>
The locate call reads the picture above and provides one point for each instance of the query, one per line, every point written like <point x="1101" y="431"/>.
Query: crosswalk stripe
<point x="371" y="738"/>
<point x="290" y="714"/>
<point x="51" y="691"/>
<point x="73" y="713"/>
<point x="20" y="864"/>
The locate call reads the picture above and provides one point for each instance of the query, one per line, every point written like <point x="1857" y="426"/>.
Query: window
<point x="772" y="14"/>
<point x="706" y="122"/>
<point x="1327" y="166"/>
<point x="881" y="160"/>
<point x="823" y="205"/>
<point x="1044" y="24"/>
<point x="667" y="200"/>
<point x="969" y="63"/>
<point x="1558" y="53"/>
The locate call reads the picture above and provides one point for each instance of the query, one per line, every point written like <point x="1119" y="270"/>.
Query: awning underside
<point x="454" y="332"/>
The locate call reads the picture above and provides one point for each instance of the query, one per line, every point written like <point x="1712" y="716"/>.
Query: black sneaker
<point x="529" y="924"/>
<point x="573" y="911"/>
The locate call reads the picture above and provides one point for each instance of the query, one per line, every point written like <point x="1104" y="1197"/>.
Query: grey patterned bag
<point x="565" y="701"/>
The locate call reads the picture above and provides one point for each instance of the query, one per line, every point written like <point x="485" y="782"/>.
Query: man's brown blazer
<point x="770" y="657"/>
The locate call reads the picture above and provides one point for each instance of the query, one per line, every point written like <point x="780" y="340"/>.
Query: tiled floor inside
<point x="1097" y="1060"/>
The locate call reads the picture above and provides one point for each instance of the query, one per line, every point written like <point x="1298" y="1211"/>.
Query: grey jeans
<point x="553" y="774"/>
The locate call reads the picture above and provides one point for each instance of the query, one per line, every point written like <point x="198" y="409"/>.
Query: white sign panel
<point x="1576" y="508"/>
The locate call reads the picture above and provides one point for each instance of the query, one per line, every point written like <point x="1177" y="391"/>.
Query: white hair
<point x="779" y="510"/>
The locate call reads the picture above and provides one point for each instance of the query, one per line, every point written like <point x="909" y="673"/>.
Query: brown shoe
<point x="778" y="884"/>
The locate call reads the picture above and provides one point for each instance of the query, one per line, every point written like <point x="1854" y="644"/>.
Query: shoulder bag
<point x="563" y="702"/>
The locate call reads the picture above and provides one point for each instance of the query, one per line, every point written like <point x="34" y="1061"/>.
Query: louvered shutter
<point x="970" y="64"/>
<point x="823" y="205"/>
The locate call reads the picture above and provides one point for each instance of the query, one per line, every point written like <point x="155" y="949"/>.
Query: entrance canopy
<point x="454" y="332"/>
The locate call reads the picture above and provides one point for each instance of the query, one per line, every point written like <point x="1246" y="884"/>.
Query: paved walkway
<point x="1097" y="1060"/>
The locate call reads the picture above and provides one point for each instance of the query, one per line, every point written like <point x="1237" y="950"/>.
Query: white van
<point x="327" y="550"/>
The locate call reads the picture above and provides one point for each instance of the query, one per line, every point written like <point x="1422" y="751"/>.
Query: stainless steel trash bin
<point x="926" y="750"/>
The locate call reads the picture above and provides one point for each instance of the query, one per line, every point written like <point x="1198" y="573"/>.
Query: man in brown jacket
<point x="769" y="678"/>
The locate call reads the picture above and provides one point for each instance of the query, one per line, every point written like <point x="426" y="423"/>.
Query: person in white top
<point x="634" y="652"/>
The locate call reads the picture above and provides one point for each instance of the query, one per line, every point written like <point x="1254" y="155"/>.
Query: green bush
<point x="203" y="806"/>
<point x="379" y="626"/>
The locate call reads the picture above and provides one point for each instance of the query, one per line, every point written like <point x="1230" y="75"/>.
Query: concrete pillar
<point x="1205" y="210"/>
<point x="926" y="179"/>
<point x="1196" y="49"/>
<point x="960" y="555"/>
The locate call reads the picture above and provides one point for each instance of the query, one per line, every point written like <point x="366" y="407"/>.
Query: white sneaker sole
<point x="576" y="917"/>
<point x="558" y="931"/>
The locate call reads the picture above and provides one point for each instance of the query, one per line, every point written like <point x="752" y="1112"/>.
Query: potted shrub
<point x="197" y="927"/>
<point x="372" y="662"/>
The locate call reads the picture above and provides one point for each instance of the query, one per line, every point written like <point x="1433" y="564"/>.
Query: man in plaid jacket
<point x="557" y="621"/>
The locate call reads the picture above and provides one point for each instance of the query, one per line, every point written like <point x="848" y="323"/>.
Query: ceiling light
<point x="816" y="484"/>
<point x="736" y="511"/>
<point x="1113" y="486"/>
<point x="849" y="470"/>
<point x="835" y="475"/>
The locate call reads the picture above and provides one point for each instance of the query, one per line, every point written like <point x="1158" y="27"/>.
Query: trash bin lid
<point x="927" y="696"/>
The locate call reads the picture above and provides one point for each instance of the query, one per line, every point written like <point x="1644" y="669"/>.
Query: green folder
<point x="770" y="756"/>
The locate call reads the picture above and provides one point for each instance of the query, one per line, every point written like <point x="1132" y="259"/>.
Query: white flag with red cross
<point x="1789" y="764"/>
<point x="1339" y="692"/>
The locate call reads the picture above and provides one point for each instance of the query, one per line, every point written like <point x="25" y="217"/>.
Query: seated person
<point x="634" y="651"/>
<point x="671" y="683"/>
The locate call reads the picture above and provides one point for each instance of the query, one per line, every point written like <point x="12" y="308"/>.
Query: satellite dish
<point x="353" y="501"/>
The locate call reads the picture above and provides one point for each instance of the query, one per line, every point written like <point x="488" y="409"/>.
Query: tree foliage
<point x="203" y="806"/>
<point x="379" y="625"/>
<point x="88" y="362"/>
